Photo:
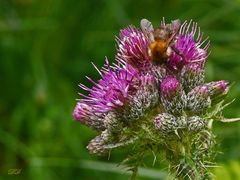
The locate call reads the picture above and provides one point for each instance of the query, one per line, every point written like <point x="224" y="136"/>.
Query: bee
<point x="162" y="40"/>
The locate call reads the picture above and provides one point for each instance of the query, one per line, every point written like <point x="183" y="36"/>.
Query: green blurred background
<point x="45" y="51"/>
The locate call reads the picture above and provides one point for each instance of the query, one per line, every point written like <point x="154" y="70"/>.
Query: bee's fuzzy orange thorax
<point x="158" y="50"/>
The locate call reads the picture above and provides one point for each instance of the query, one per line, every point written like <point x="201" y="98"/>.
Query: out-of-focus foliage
<point x="45" y="51"/>
<point x="228" y="171"/>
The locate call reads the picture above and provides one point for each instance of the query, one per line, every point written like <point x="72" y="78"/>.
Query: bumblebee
<point x="162" y="40"/>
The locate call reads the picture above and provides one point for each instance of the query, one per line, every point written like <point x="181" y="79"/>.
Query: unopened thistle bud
<point x="198" y="99"/>
<point x="218" y="90"/>
<point x="172" y="95"/>
<point x="192" y="75"/>
<point x="143" y="100"/>
<point x="195" y="123"/>
<point x="112" y="122"/>
<point x="97" y="145"/>
<point x="167" y="123"/>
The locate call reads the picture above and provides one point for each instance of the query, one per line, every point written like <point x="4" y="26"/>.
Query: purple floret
<point x="133" y="48"/>
<point x="170" y="86"/>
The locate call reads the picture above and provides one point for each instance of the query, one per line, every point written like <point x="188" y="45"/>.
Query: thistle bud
<point x="198" y="99"/>
<point x="192" y="75"/>
<point x="195" y="123"/>
<point x="146" y="97"/>
<point x="218" y="90"/>
<point x="97" y="145"/>
<point x="113" y="122"/>
<point x="167" y="123"/>
<point x="172" y="95"/>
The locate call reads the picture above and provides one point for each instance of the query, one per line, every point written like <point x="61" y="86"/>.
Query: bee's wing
<point x="147" y="28"/>
<point x="146" y="25"/>
<point x="176" y="24"/>
<point x="173" y="28"/>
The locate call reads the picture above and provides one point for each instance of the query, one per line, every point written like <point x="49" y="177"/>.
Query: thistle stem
<point x="230" y="120"/>
<point x="137" y="158"/>
<point x="134" y="173"/>
<point x="186" y="162"/>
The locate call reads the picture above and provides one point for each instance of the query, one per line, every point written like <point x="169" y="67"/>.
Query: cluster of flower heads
<point x="133" y="90"/>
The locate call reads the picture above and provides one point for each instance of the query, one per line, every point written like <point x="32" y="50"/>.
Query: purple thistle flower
<point x="193" y="49"/>
<point x="133" y="48"/>
<point x="109" y="93"/>
<point x="170" y="87"/>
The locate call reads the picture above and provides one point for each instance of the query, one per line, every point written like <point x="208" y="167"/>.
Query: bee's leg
<point x="184" y="57"/>
<point x="179" y="53"/>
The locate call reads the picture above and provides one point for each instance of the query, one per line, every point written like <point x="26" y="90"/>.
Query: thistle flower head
<point x="218" y="90"/>
<point x="196" y="123"/>
<point x="152" y="105"/>
<point x="109" y="93"/>
<point x="167" y="123"/>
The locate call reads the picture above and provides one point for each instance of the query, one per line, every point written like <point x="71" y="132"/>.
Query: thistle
<point x="154" y="98"/>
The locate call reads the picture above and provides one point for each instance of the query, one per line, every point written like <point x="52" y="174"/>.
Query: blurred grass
<point x="45" y="51"/>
